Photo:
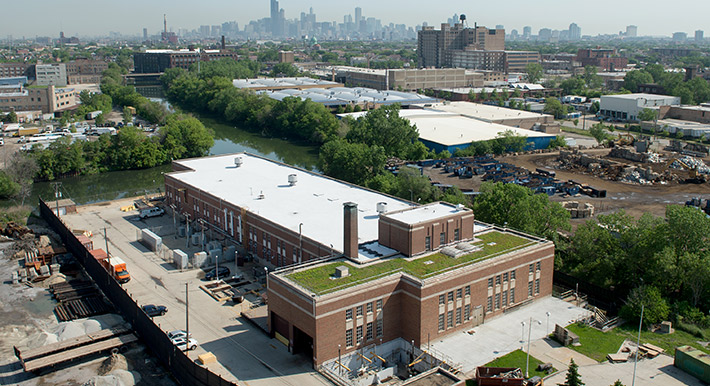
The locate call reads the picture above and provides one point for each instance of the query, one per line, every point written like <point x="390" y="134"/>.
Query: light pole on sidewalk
<point x="527" y="360"/>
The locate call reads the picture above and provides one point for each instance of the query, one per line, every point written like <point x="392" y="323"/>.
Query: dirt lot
<point x="27" y="321"/>
<point x="633" y="198"/>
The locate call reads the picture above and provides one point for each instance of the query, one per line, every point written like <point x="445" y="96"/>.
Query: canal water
<point x="116" y="185"/>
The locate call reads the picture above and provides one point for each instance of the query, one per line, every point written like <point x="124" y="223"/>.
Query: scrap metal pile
<point x="612" y="170"/>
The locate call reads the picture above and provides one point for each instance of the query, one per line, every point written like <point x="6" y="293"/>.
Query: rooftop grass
<point x="319" y="279"/>
<point x="518" y="359"/>
<point x="596" y="344"/>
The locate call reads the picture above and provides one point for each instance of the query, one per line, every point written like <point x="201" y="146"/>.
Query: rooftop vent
<point x="292" y="179"/>
<point x="381" y="207"/>
<point x="261" y="196"/>
<point x="460" y="207"/>
<point x="341" y="271"/>
<point x="237" y="161"/>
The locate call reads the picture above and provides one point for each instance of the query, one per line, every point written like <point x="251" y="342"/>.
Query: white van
<point x="151" y="212"/>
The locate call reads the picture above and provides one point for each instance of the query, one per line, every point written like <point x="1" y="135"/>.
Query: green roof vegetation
<point x="319" y="279"/>
<point x="518" y="358"/>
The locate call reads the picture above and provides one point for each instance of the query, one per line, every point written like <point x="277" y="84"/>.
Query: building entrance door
<point x="477" y="316"/>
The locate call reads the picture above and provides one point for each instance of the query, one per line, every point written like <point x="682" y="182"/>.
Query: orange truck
<point x="114" y="265"/>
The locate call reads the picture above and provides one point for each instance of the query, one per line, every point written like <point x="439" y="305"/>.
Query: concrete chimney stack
<point x="223" y="44"/>
<point x="350" y="244"/>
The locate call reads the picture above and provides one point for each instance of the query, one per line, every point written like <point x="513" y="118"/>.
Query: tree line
<point x="692" y="91"/>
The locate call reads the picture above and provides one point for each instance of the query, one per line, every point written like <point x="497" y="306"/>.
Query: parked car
<point x="176" y="334"/>
<point x="212" y="274"/>
<point x="2" y="141"/>
<point x="153" y="310"/>
<point x="151" y="212"/>
<point x="182" y="343"/>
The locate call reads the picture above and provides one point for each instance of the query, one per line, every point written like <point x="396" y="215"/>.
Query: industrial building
<point x="156" y="61"/>
<point x="500" y="61"/>
<point x="359" y="96"/>
<point x="54" y="74"/>
<point x="604" y="59"/>
<point x="626" y="107"/>
<point x="277" y="84"/>
<point x="369" y="268"/>
<point x="494" y="114"/>
<point x="699" y="114"/>
<point x="46" y="99"/>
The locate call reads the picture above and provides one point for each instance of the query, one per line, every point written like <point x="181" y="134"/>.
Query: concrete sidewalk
<point x="504" y="334"/>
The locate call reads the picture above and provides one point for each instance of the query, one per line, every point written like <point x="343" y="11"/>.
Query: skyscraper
<point x="527" y="32"/>
<point x="277" y="22"/>
<point x="358" y="15"/>
<point x="631" y="31"/>
<point x="699" y="38"/>
<point x="145" y="34"/>
<point x="575" y="33"/>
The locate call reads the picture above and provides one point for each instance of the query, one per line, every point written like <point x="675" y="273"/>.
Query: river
<point x="115" y="185"/>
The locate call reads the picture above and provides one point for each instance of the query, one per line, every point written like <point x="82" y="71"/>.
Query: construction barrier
<point x="185" y="371"/>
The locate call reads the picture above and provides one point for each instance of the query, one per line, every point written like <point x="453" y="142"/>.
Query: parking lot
<point x="244" y="352"/>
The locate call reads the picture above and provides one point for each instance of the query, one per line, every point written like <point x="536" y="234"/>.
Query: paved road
<point x="244" y="353"/>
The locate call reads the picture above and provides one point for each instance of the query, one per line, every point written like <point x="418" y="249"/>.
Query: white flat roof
<point x="484" y="112"/>
<point x="424" y="213"/>
<point x="453" y="129"/>
<point x="315" y="201"/>
<point x="639" y="96"/>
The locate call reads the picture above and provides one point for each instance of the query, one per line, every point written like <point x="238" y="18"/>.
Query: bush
<point x="690" y="329"/>
<point x="656" y="308"/>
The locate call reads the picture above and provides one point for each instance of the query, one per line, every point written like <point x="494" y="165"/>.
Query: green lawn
<point x="575" y="130"/>
<point x="596" y="344"/>
<point x="318" y="279"/>
<point x="517" y="359"/>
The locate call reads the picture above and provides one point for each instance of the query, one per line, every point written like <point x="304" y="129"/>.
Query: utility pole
<point x="107" y="254"/>
<point x="638" y="344"/>
<point x="187" y="318"/>
<point x="57" y="194"/>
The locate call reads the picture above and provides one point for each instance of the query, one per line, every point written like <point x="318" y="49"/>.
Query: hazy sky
<point x="31" y="18"/>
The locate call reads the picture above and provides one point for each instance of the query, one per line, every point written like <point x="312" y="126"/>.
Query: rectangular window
<point x="497" y="301"/>
<point x="537" y="266"/>
<point x="512" y="275"/>
<point x="530" y="289"/>
<point x="458" y="316"/>
<point x="369" y="332"/>
<point x="369" y="307"/>
<point x="442" y="238"/>
<point x="349" y="338"/>
<point x="505" y="277"/>
<point x="467" y="290"/>
<point x="489" y="304"/>
<point x="532" y="268"/>
<point x="466" y="312"/>
<point x="427" y="243"/>
<point x="498" y="280"/>
<point x="458" y="293"/>
<point x="450" y="319"/>
<point x="490" y="282"/>
<point x="450" y="296"/>
<point x="358" y="334"/>
<point x="380" y="330"/>
<point x="537" y="286"/>
<point x="358" y="310"/>
<point x="505" y="298"/>
<point x="379" y="304"/>
<point x="442" y="299"/>
<point x="349" y="314"/>
<point x="512" y="295"/>
<point x="457" y="236"/>
<point x="441" y="322"/>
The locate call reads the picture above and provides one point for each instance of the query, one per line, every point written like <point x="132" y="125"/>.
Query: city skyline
<point x="77" y="17"/>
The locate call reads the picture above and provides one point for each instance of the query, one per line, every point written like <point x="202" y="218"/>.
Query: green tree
<point x="656" y="308"/>
<point x="352" y="162"/>
<point x="281" y="70"/>
<point x="554" y="107"/>
<point x="591" y="78"/>
<point x="10" y="117"/>
<point x="617" y="383"/>
<point x="8" y="187"/>
<point x="100" y="120"/>
<point x="185" y="137"/>
<point x="521" y="209"/>
<point x="574" y="85"/>
<point x="573" y="377"/>
<point x="127" y="115"/>
<point x="598" y="131"/>
<point x="636" y="77"/>
<point x="534" y="72"/>
<point x="384" y="127"/>
<point x="646" y="115"/>
<point x="22" y="169"/>
<point x="559" y="141"/>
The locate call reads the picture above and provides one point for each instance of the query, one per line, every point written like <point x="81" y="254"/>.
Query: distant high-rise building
<point x="631" y="31"/>
<point x="680" y="37"/>
<point x="500" y="26"/>
<point x="699" y="38"/>
<point x="358" y="15"/>
<point x="544" y="35"/>
<point x="277" y="19"/>
<point x="575" y="32"/>
<point x="514" y="34"/>
<point x="527" y="32"/>
<point x="145" y="33"/>
<point x="435" y="47"/>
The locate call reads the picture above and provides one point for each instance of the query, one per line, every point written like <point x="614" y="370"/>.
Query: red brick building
<point x="389" y="269"/>
<point x="605" y="59"/>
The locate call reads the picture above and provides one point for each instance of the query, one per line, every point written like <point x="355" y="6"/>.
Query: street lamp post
<point x="547" y="329"/>
<point x="527" y="360"/>
<point x="638" y="342"/>
<point x="340" y="365"/>
<point x="522" y="336"/>
<point x="216" y="266"/>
